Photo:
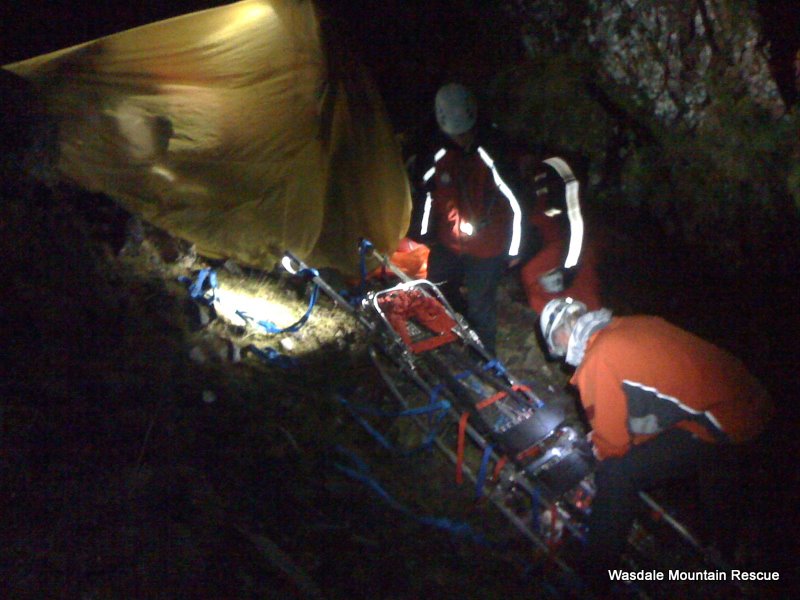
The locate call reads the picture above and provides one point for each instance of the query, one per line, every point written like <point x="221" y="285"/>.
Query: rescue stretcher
<point x="510" y="438"/>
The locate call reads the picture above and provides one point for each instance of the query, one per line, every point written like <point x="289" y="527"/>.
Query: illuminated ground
<point x="141" y="456"/>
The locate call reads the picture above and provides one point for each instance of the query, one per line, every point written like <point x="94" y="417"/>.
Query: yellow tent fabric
<point x="237" y="128"/>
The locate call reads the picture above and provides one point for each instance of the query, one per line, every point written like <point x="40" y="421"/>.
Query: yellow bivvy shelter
<point x="244" y="129"/>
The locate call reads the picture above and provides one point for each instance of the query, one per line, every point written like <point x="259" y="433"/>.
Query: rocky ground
<point x="149" y="451"/>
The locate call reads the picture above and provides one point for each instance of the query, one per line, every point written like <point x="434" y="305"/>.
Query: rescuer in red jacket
<point x="565" y="261"/>
<point x="469" y="216"/>
<point x="662" y="404"/>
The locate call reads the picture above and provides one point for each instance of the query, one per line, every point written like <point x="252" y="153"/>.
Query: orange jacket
<point x="585" y="285"/>
<point x="465" y="194"/>
<point x="641" y="375"/>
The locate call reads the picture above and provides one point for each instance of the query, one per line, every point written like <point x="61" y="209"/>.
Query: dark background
<point x="411" y="47"/>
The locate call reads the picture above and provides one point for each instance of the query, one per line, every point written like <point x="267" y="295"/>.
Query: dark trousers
<point x="672" y="455"/>
<point x="481" y="278"/>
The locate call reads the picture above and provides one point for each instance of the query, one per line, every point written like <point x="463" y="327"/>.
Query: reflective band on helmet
<point x="556" y="316"/>
<point x="554" y="322"/>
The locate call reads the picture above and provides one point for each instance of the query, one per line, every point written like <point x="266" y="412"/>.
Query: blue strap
<point x="536" y="400"/>
<point x="436" y="410"/>
<point x="434" y="396"/>
<point x="273" y="357"/>
<point x="361" y="473"/>
<point x="481" y="479"/>
<point x="270" y="327"/>
<point x="498" y="367"/>
<point x="435" y="426"/>
<point x="364" y="246"/>
<point x="205" y="279"/>
<point x="435" y="418"/>
<point x="379" y="437"/>
<point x="420" y="410"/>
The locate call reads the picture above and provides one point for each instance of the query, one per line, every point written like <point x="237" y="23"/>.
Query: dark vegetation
<point x="120" y="480"/>
<point x="117" y="478"/>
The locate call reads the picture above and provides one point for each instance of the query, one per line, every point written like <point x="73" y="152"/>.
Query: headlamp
<point x="290" y="265"/>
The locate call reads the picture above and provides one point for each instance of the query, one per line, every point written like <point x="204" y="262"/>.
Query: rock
<point x="134" y="237"/>
<point x="199" y="315"/>
<point x="235" y="353"/>
<point x="231" y="267"/>
<point x="532" y="341"/>
<point x="197" y="355"/>
<point x="188" y="257"/>
<point x="172" y="250"/>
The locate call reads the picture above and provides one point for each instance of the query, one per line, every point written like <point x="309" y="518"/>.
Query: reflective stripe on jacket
<point x="641" y="375"/>
<point x="469" y="207"/>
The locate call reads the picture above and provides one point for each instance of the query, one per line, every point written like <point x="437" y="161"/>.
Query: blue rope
<point x="420" y="410"/>
<point x="435" y="426"/>
<point x="538" y="401"/>
<point x="364" y="246"/>
<point x="273" y="357"/>
<point x="270" y="327"/>
<point x="361" y="473"/>
<point x="436" y="410"/>
<point x="205" y="279"/>
<point x="379" y="437"/>
<point x="434" y="396"/>
<point x="497" y="366"/>
<point x="481" y="479"/>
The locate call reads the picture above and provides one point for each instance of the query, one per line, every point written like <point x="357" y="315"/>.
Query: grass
<point x="124" y="477"/>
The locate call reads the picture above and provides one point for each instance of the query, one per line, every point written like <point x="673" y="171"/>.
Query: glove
<point x="553" y="282"/>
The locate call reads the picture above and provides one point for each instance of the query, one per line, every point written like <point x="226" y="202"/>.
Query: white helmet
<point x="456" y="109"/>
<point x="557" y="314"/>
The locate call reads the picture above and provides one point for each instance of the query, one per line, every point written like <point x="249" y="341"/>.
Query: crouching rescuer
<point x="470" y="218"/>
<point x="663" y="404"/>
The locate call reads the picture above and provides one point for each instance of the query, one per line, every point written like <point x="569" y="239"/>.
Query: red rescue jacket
<point x="586" y="283"/>
<point x="641" y="375"/>
<point x="471" y="210"/>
